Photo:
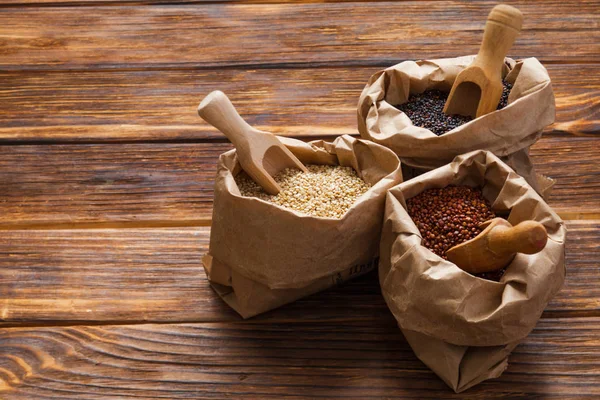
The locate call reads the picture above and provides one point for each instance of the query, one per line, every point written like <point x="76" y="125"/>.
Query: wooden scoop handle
<point x="217" y="110"/>
<point x="528" y="237"/>
<point x="501" y="29"/>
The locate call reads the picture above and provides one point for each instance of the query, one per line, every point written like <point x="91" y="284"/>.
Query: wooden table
<point x="106" y="193"/>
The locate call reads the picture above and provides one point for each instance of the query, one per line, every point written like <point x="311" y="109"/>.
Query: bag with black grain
<point x="463" y="325"/>
<point x="263" y="255"/>
<point x="432" y="139"/>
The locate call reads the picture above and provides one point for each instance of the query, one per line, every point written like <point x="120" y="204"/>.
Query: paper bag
<point x="461" y="326"/>
<point x="262" y="255"/>
<point x="508" y="133"/>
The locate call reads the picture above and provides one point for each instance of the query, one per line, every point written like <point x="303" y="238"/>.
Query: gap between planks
<point x="192" y="223"/>
<point x="567" y="315"/>
<point x="380" y="63"/>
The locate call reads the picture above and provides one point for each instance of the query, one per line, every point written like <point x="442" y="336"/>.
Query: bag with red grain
<point x="463" y="325"/>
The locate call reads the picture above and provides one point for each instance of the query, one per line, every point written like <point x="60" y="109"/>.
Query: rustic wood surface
<point x="137" y="275"/>
<point x="103" y="106"/>
<point x="353" y="360"/>
<point x="170" y="184"/>
<point x="264" y="35"/>
<point x="106" y="195"/>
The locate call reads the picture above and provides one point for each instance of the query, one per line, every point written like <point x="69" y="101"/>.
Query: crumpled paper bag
<point x="461" y="326"/>
<point x="262" y="256"/>
<point x="508" y="133"/>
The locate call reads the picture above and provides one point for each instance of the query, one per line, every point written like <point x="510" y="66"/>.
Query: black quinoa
<point x="427" y="110"/>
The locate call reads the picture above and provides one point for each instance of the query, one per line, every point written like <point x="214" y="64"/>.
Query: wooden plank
<point x="116" y="274"/>
<point x="155" y="275"/>
<point x="104" y="3"/>
<point x="581" y="291"/>
<point x="171" y="184"/>
<point x="86" y="106"/>
<point x="83" y="3"/>
<point x="72" y="184"/>
<point x="577" y="187"/>
<point x="161" y="105"/>
<point x="559" y="359"/>
<point x="216" y="35"/>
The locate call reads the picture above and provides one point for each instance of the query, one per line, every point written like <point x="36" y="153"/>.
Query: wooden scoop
<point x="496" y="246"/>
<point x="478" y="88"/>
<point x="261" y="154"/>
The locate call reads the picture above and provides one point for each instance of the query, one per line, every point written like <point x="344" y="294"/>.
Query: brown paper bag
<point x="508" y="133"/>
<point x="262" y="256"/>
<point x="461" y="326"/>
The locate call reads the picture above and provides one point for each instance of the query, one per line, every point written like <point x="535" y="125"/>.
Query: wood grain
<point x="171" y="184"/>
<point x="571" y="163"/>
<point x="155" y="275"/>
<point x="84" y="3"/>
<point x="117" y="3"/>
<point x="98" y="129"/>
<point x="161" y="105"/>
<point x="316" y="360"/>
<point x="581" y="289"/>
<point x="109" y="106"/>
<point x="115" y="274"/>
<point x="265" y="35"/>
<point x="70" y="184"/>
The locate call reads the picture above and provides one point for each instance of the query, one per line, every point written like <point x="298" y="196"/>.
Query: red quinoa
<point x="449" y="216"/>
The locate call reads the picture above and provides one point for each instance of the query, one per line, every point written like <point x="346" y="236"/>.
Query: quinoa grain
<point x="325" y="191"/>
<point x="427" y="110"/>
<point x="450" y="216"/>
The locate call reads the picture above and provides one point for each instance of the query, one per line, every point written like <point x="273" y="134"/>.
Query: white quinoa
<point x="324" y="191"/>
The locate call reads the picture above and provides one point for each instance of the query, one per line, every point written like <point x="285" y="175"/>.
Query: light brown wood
<point x="270" y="35"/>
<point x="259" y="153"/>
<point x="82" y="3"/>
<point x="496" y="246"/>
<point x="159" y="183"/>
<point x="478" y="88"/>
<point x="319" y="360"/>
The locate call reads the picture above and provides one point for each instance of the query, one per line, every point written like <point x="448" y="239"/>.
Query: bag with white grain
<point x="262" y="255"/>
